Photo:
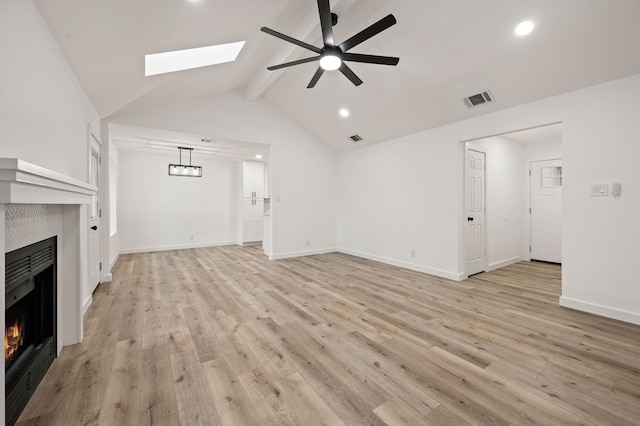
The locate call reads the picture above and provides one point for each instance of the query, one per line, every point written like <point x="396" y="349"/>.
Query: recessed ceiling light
<point x="344" y="112"/>
<point x="524" y="28"/>
<point x="178" y="60"/>
<point x="259" y="156"/>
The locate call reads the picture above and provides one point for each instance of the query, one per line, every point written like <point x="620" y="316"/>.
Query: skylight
<point x="178" y="60"/>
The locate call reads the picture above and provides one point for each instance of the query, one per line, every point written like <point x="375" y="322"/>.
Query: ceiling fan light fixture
<point x="330" y="62"/>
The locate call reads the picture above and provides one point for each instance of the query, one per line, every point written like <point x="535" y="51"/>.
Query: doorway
<point x="507" y="221"/>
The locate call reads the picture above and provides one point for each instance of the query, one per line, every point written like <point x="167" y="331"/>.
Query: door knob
<point x="469" y="219"/>
<point x="94" y="227"/>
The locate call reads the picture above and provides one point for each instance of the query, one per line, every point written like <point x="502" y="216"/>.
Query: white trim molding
<point x="603" y="311"/>
<point x="26" y="183"/>
<point x="301" y="253"/>
<point x="172" y="247"/>
<point x="412" y="266"/>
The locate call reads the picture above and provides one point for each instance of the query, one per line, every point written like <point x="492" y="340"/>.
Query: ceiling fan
<point x="332" y="56"/>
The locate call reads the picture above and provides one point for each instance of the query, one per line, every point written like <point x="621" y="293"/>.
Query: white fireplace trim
<point x="25" y="183"/>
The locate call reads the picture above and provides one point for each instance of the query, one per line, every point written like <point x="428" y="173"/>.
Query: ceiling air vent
<point x="355" y="138"/>
<point x="479" y="99"/>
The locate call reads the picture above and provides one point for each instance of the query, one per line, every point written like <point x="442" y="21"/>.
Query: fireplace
<point x="30" y="322"/>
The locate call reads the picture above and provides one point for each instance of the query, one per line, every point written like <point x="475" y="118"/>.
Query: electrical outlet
<point x="413" y="254"/>
<point x="308" y="242"/>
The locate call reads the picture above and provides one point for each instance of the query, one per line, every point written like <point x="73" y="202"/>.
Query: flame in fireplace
<point x="13" y="339"/>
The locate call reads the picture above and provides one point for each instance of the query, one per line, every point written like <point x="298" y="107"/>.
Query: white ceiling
<point x="448" y="50"/>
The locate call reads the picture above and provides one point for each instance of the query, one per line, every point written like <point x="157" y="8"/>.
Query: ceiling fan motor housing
<point x="332" y="56"/>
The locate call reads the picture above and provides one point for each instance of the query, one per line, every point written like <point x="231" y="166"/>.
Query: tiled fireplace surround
<point x="35" y="204"/>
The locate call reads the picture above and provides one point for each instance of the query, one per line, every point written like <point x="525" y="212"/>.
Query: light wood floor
<point x="224" y="336"/>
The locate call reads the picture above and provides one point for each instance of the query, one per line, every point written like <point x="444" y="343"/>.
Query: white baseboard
<point x="289" y="255"/>
<point x="86" y="304"/>
<point x="504" y="263"/>
<point x="106" y="278"/>
<point x="419" y="268"/>
<point x="175" y="247"/>
<point x="604" y="311"/>
<point x="113" y="261"/>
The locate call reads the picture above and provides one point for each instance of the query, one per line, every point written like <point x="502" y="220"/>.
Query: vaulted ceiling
<point x="448" y="50"/>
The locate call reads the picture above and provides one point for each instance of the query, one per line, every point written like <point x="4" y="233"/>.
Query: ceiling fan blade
<point x="292" y="63"/>
<point x="315" y="78"/>
<point x="368" y="32"/>
<point x="325" y="22"/>
<point x="344" y="69"/>
<point x="370" y="59"/>
<point x="290" y="39"/>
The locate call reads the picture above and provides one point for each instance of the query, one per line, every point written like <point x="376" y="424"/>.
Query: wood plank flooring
<point x="223" y="336"/>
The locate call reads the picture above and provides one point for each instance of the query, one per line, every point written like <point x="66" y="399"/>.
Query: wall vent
<point x="207" y="140"/>
<point x="355" y="138"/>
<point x="479" y="99"/>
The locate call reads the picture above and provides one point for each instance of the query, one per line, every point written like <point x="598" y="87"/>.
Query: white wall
<point x="157" y="211"/>
<point x="504" y="195"/>
<point x="43" y="109"/>
<point x="406" y="194"/>
<point x="544" y="150"/>
<point x="302" y="169"/>
<point x="400" y="199"/>
<point x="111" y="205"/>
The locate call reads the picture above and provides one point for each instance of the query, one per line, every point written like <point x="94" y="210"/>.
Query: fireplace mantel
<point x="25" y="183"/>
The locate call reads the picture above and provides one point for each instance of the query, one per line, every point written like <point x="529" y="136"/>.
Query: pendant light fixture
<point x="183" y="169"/>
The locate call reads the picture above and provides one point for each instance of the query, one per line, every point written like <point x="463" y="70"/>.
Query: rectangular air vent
<point x="479" y="99"/>
<point x="355" y="138"/>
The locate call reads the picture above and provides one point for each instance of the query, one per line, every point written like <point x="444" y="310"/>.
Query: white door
<point x="546" y="210"/>
<point x="475" y="211"/>
<point x="94" y="220"/>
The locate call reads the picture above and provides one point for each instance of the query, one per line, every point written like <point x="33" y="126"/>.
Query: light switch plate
<point x="600" y="190"/>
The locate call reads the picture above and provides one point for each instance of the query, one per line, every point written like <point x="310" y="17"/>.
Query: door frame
<point x="467" y="146"/>
<point x="93" y="139"/>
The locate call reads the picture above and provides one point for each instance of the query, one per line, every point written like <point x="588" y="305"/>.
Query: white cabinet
<point x="252" y="179"/>
<point x="253" y="185"/>
<point x="252" y="220"/>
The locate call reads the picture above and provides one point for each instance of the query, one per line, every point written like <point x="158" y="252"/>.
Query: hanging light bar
<point x="183" y="169"/>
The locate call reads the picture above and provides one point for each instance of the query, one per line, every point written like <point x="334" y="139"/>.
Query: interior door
<point x="475" y="205"/>
<point x="94" y="220"/>
<point x="546" y="210"/>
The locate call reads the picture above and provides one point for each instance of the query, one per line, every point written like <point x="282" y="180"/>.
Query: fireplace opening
<point x="30" y="322"/>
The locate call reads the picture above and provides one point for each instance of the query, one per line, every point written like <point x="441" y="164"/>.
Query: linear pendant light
<point x="183" y="169"/>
